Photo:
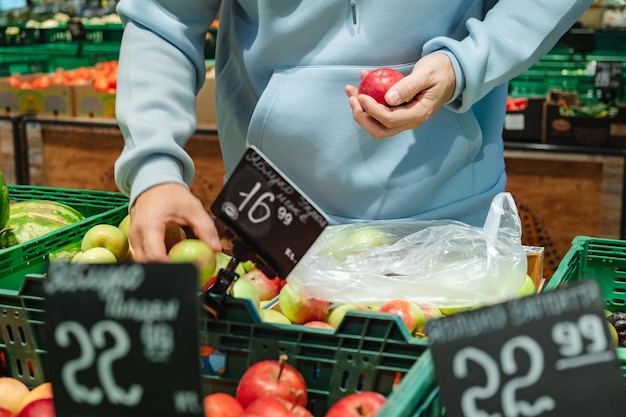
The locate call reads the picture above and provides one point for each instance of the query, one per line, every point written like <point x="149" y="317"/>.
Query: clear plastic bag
<point x="441" y="263"/>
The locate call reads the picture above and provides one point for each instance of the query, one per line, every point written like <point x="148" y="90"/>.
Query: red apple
<point x="299" y="308"/>
<point x="43" y="390"/>
<point x="270" y="406"/>
<point x="411" y="315"/>
<point x="221" y="404"/>
<point x="360" y="404"/>
<point x="12" y="390"/>
<point x="272" y="377"/>
<point x="43" y="407"/>
<point x="268" y="288"/>
<point x="319" y="324"/>
<point x="173" y="234"/>
<point x="377" y="82"/>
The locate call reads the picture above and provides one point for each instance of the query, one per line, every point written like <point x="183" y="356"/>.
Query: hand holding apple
<point x="377" y="82"/>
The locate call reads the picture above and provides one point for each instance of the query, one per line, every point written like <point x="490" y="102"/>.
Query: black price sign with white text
<point x="269" y="220"/>
<point x="122" y="339"/>
<point x="549" y="354"/>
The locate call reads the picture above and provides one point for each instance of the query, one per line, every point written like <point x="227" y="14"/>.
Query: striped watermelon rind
<point x="31" y="219"/>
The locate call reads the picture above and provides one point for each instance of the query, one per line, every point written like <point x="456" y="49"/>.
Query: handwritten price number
<point x="584" y="337"/>
<point x="603" y="79"/>
<point x="261" y="208"/>
<point x="89" y="341"/>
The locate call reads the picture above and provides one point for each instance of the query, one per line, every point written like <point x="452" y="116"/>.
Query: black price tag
<point x="549" y="354"/>
<point x="122" y="339"/>
<point x="608" y="75"/>
<point x="77" y="30"/>
<point x="267" y="218"/>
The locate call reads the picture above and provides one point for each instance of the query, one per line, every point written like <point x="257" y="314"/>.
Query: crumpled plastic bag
<point x="443" y="263"/>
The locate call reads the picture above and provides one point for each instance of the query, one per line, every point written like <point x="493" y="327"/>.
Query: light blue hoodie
<point x="281" y="70"/>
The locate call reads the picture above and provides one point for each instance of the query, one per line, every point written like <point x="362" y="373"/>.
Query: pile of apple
<point x="276" y="300"/>
<point x="273" y="388"/>
<point x="17" y="400"/>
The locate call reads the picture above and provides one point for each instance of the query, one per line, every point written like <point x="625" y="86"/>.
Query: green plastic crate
<point x="32" y="257"/>
<point x="368" y="351"/>
<point x="602" y="260"/>
<point x="417" y="394"/>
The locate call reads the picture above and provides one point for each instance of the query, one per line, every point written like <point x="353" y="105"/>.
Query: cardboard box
<point x="534" y="257"/>
<point x="90" y="103"/>
<point x="205" y="101"/>
<point x="584" y="131"/>
<point x="56" y="100"/>
<point x="525" y="125"/>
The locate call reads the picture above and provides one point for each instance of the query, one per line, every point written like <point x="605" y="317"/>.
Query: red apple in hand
<point x="274" y="378"/>
<point x="360" y="404"/>
<point x="276" y="407"/>
<point x="412" y="316"/>
<point x="221" y="404"/>
<point x="377" y="82"/>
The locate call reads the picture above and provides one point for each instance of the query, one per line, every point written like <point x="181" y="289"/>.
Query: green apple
<point x="95" y="255"/>
<point x="299" y="308"/>
<point x="197" y="252"/>
<point x="243" y="289"/>
<point x="273" y="316"/>
<point x="125" y="224"/>
<point x="336" y="314"/>
<point x="528" y="287"/>
<point x="429" y="313"/>
<point x="614" y="334"/>
<point x="248" y="265"/>
<point x="106" y="236"/>
<point x="448" y="311"/>
<point x="268" y="288"/>
<point x="356" y="238"/>
<point x="221" y="262"/>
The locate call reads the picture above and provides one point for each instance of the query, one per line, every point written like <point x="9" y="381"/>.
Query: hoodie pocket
<point x="304" y="124"/>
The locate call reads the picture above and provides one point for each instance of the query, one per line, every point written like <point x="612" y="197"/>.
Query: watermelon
<point x="4" y="202"/>
<point x="34" y="218"/>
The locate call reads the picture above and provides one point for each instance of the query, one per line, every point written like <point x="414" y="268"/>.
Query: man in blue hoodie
<point x="283" y="70"/>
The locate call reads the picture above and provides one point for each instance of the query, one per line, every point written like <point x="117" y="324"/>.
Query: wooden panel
<point x="561" y="196"/>
<point x="7" y="152"/>
<point x="83" y="157"/>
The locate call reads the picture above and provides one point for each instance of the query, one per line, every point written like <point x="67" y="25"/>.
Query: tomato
<point x="377" y="82"/>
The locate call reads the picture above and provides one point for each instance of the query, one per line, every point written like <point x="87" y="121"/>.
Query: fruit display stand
<point x="369" y="351"/>
<point x="33" y="256"/>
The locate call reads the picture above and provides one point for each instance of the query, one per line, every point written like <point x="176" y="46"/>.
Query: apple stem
<point x="282" y="360"/>
<point x="296" y="401"/>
